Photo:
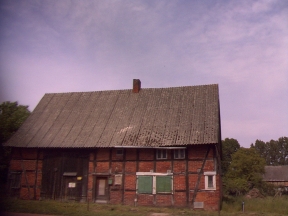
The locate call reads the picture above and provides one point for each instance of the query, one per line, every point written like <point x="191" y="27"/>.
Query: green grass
<point x="253" y="207"/>
<point x="258" y="206"/>
<point x="73" y="208"/>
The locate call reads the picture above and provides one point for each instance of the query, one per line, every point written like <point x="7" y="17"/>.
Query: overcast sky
<point x="49" y="46"/>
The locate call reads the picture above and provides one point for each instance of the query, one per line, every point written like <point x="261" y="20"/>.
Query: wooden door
<point x="101" y="188"/>
<point x="71" y="189"/>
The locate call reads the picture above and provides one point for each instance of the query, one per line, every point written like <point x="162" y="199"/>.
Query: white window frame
<point x="161" y="154"/>
<point x="207" y="174"/>
<point x="154" y="181"/>
<point x="178" y="154"/>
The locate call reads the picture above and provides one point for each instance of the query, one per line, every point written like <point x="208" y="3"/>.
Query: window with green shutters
<point x="152" y="184"/>
<point x="145" y="184"/>
<point x="163" y="184"/>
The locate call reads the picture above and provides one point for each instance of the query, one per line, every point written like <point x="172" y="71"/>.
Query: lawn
<point x="267" y="206"/>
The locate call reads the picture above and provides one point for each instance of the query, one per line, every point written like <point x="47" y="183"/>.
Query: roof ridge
<point x="114" y="90"/>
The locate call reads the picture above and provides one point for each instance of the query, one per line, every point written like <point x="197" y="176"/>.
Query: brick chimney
<point x="136" y="85"/>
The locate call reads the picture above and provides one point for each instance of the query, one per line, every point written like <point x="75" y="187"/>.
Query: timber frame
<point x="122" y="147"/>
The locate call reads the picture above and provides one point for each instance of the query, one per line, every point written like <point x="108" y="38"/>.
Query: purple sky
<point x="66" y="46"/>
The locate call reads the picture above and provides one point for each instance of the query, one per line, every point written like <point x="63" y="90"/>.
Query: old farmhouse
<point x="143" y="146"/>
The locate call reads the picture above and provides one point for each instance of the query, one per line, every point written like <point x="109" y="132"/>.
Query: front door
<point x="101" y="189"/>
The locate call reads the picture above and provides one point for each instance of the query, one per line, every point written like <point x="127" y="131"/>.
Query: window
<point x="161" y="154"/>
<point x="163" y="184"/>
<point x="119" y="152"/>
<point x="148" y="183"/>
<point x="210" y="180"/>
<point x="179" y="153"/>
<point x="15" y="179"/>
<point x="145" y="184"/>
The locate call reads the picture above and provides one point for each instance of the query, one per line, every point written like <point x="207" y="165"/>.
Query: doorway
<point x="71" y="188"/>
<point x="101" y="189"/>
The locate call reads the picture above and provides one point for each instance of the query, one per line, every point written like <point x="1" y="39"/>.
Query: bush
<point x="267" y="189"/>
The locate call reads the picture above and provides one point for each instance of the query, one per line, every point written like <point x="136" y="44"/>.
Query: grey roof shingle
<point x="276" y="173"/>
<point x="153" y="117"/>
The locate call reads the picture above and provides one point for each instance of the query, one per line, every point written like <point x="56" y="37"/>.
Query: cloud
<point x="56" y="46"/>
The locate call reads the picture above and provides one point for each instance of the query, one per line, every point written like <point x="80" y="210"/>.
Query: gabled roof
<point x="276" y="173"/>
<point x="153" y="117"/>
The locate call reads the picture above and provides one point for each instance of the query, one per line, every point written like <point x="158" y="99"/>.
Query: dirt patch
<point x="159" y="214"/>
<point x="21" y="214"/>
<point x="254" y="193"/>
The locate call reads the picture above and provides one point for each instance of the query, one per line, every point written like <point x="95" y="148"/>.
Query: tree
<point x="12" y="117"/>
<point x="261" y="148"/>
<point x="229" y="146"/>
<point x="283" y="150"/>
<point x="274" y="152"/>
<point x="245" y="172"/>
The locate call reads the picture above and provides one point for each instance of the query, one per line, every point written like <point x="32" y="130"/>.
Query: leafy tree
<point x="262" y="149"/>
<point x="245" y="172"/>
<point x="274" y="152"/>
<point x="12" y="116"/>
<point x="283" y="150"/>
<point x="229" y="146"/>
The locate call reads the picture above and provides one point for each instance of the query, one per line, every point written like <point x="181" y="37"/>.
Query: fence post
<point x="88" y="204"/>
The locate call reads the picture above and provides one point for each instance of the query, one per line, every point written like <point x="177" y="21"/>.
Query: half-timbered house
<point x="145" y="146"/>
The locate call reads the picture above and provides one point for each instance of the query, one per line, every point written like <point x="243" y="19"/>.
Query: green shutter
<point x="163" y="184"/>
<point x="145" y="184"/>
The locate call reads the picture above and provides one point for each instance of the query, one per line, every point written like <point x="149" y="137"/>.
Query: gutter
<point x="138" y="147"/>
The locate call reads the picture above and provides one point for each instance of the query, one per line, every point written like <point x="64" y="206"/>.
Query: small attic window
<point x="119" y="152"/>
<point x="161" y="154"/>
<point x="179" y="153"/>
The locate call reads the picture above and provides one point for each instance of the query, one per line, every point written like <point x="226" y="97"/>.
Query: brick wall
<point x="106" y="162"/>
<point x="185" y="173"/>
<point x="163" y="199"/>
<point x="130" y="182"/>
<point x="146" y="166"/>
<point x="180" y="199"/>
<point x="28" y="162"/>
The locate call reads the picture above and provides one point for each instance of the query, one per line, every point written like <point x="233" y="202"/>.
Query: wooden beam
<point x="36" y="174"/>
<point x="200" y="175"/>
<point x="25" y="174"/>
<point x="123" y="176"/>
<point x="187" y="177"/>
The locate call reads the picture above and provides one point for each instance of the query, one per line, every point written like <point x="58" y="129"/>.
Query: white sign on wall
<point x="72" y="185"/>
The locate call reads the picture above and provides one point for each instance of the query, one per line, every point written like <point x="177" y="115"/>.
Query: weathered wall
<point x="41" y="173"/>
<point x="187" y="175"/>
<point x="28" y="164"/>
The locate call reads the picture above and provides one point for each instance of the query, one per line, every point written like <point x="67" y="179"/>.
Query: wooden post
<point x="88" y="204"/>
